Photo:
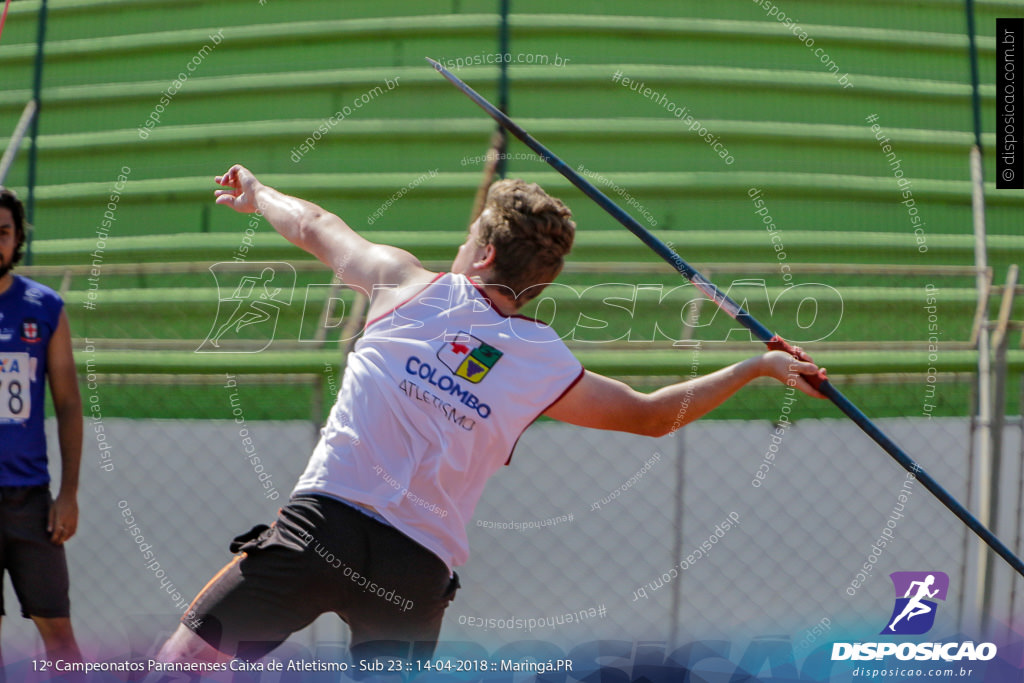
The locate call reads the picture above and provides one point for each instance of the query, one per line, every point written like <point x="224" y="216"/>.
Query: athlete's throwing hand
<point x="242" y="195"/>
<point x="789" y="370"/>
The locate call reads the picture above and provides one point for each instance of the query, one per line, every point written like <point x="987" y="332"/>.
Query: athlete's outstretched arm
<point x="356" y="261"/>
<point x="604" y="403"/>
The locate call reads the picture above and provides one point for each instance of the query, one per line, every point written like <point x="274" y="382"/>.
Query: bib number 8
<point x="15" y="404"/>
<point x="15" y="376"/>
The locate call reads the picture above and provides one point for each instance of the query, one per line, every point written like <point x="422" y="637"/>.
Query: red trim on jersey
<point x="571" y="385"/>
<point x="404" y="302"/>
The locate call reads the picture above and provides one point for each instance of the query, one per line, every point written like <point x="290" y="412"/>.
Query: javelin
<point x="773" y="341"/>
<point x="3" y="19"/>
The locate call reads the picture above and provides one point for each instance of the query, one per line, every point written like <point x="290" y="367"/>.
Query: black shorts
<point x="38" y="568"/>
<point x="322" y="555"/>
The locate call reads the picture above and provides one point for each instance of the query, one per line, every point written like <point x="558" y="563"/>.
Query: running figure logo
<point x="247" y="318"/>
<point x="468" y="357"/>
<point x="914" y="612"/>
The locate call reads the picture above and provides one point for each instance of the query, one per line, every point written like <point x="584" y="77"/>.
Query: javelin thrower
<point x="444" y="380"/>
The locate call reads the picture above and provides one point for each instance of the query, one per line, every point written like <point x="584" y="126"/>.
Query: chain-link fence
<point x="724" y="530"/>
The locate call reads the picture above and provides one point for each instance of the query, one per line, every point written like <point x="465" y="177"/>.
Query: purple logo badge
<point x="916" y="593"/>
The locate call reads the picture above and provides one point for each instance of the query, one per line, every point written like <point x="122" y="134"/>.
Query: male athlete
<point x="35" y="344"/>
<point x="436" y="392"/>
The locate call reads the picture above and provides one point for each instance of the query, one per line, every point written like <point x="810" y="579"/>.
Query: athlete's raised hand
<point x="361" y="264"/>
<point x="242" y="193"/>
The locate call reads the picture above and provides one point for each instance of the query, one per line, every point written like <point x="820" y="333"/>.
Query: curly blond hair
<point x="531" y="231"/>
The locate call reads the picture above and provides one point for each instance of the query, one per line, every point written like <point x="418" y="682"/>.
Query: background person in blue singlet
<point x="35" y="344"/>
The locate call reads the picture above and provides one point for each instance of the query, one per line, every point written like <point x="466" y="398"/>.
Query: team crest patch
<point x="468" y="357"/>
<point x="30" y="330"/>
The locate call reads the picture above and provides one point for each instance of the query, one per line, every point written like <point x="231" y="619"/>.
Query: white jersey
<point x="435" y="395"/>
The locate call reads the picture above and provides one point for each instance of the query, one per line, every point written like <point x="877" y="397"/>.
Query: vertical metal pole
<point x="503" y="45"/>
<point x="982" y="583"/>
<point x="37" y="87"/>
<point x="985" y="479"/>
<point x="965" y="543"/>
<point x="1014" y="621"/>
<point x="975" y="96"/>
<point x="677" y="539"/>
<point x="1000" y="341"/>
<point x="27" y="115"/>
<point x="986" y="453"/>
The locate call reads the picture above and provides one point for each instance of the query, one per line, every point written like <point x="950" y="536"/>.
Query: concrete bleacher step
<point x="710" y="92"/>
<point x="591" y="317"/>
<point x="923" y="15"/>
<point x="679" y="202"/>
<point x="403" y="41"/>
<point x="94" y="18"/>
<point x="697" y="246"/>
<point x="72" y="19"/>
<point x="674" y="363"/>
<point x="156" y="52"/>
<point x="601" y="146"/>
